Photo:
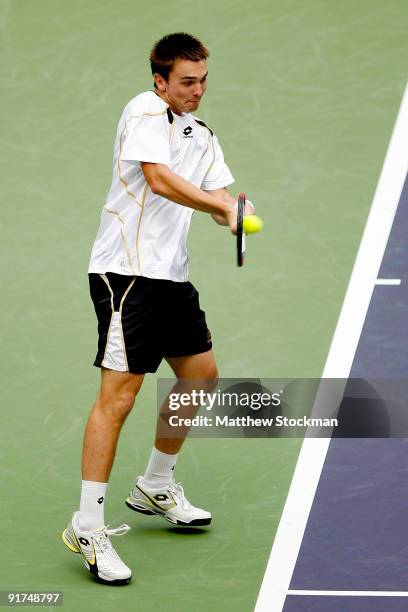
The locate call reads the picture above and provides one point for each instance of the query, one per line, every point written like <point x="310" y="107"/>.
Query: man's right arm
<point x="165" y="183"/>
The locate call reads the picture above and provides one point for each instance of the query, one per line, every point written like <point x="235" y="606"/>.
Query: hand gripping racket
<point x="240" y="229"/>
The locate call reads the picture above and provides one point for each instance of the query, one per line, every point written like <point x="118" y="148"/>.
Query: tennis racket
<point x="240" y="229"/>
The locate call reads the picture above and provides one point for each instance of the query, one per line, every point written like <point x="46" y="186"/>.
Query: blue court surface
<point x="352" y="552"/>
<point x="356" y="535"/>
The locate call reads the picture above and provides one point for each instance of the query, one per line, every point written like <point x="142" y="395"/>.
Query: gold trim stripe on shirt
<point x="212" y="162"/>
<point x="138" y="228"/>
<point x="121" y="178"/>
<point x="144" y="200"/>
<point x="122" y="235"/>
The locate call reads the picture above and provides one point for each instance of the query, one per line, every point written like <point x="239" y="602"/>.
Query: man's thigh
<point x="199" y="366"/>
<point x="116" y="384"/>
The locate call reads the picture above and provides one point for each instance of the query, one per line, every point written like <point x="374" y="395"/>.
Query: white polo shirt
<point x="142" y="233"/>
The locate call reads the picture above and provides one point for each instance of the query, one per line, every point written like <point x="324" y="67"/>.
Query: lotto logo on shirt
<point x="187" y="132"/>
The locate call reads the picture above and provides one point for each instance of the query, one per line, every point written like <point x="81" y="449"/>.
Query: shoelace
<point x="175" y="487"/>
<point x="103" y="539"/>
<point x="118" y="531"/>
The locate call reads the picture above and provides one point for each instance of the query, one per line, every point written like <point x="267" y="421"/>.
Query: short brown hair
<point x="173" y="47"/>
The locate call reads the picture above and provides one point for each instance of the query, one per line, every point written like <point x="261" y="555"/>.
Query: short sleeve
<point x="147" y="140"/>
<point x="218" y="174"/>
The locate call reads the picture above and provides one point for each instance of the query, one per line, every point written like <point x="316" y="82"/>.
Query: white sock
<point x="159" y="471"/>
<point x="92" y="505"/>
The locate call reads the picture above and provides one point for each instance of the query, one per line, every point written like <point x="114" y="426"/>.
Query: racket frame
<point x="240" y="229"/>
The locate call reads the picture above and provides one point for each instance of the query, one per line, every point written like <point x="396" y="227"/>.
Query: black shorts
<point x="141" y="320"/>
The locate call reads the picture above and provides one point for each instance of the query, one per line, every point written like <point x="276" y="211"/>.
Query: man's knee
<point x="212" y="377"/>
<point x="116" y="398"/>
<point x="117" y="405"/>
<point x="210" y="372"/>
<point x="208" y="379"/>
<point x="211" y="384"/>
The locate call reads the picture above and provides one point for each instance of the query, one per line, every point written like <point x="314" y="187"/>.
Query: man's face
<point x="185" y="87"/>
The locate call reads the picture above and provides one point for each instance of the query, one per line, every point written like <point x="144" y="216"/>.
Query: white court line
<point x="306" y="476"/>
<point x="388" y="281"/>
<point x="352" y="593"/>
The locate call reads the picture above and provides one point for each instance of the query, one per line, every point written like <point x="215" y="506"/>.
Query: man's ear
<point x="160" y="82"/>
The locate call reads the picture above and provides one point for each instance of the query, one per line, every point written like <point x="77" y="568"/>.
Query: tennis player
<point x="167" y="163"/>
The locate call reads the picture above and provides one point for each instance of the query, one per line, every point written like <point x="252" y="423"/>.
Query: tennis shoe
<point x="99" y="556"/>
<point x="168" y="502"/>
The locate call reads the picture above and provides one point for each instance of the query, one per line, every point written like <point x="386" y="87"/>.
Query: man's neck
<point x="165" y="99"/>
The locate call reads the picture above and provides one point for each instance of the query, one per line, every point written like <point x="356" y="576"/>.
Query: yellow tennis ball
<point x="252" y="224"/>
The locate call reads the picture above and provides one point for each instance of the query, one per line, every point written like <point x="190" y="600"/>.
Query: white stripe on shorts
<point x="115" y="357"/>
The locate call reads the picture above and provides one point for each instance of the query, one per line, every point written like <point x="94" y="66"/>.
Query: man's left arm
<point x="225" y="195"/>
